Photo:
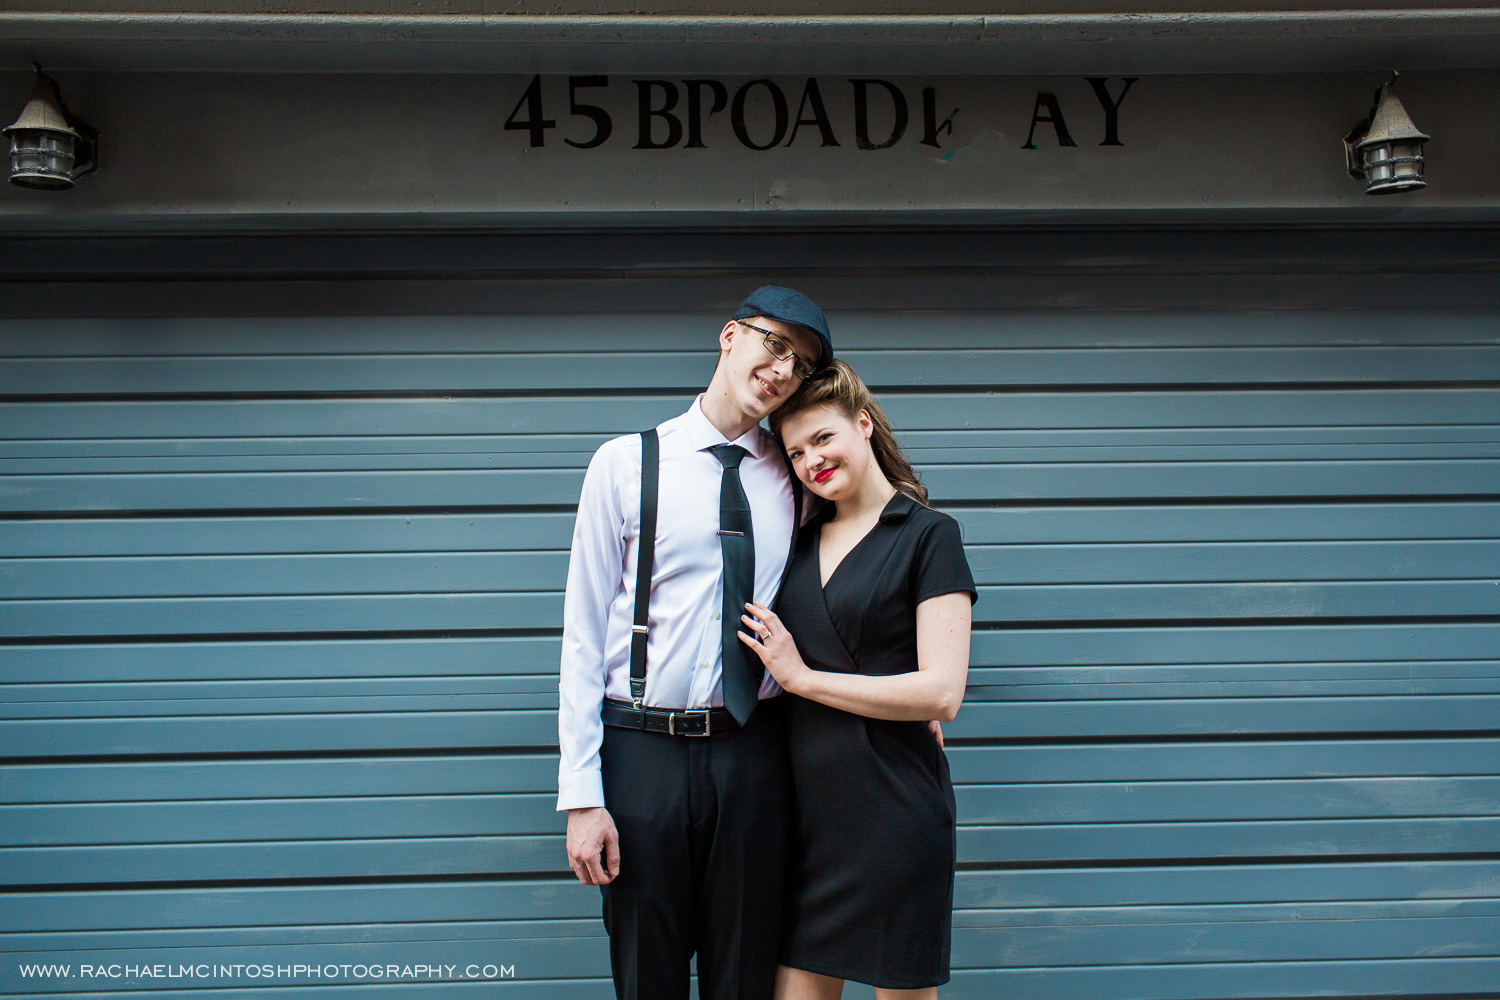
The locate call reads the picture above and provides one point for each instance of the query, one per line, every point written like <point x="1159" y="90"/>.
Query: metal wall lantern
<point x="1385" y="150"/>
<point x="49" y="148"/>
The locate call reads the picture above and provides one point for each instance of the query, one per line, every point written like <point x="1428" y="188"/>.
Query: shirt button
<point x="718" y="614"/>
<point x="703" y="664"/>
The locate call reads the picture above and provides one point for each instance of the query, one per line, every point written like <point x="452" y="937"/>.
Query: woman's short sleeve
<point x="940" y="566"/>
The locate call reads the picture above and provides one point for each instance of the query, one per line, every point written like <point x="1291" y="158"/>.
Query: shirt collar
<point x="704" y="434"/>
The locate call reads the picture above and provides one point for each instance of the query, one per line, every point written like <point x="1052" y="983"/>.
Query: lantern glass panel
<point x="1408" y="157"/>
<point x="41" y="158"/>
<point x="1378" y="166"/>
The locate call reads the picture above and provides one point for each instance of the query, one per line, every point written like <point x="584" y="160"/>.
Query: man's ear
<point x="726" y="335"/>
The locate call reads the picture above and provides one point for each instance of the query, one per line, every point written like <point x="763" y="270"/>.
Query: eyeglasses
<point x="781" y="351"/>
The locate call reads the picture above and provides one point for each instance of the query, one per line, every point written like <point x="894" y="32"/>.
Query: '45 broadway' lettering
<point x="672" y="114"/>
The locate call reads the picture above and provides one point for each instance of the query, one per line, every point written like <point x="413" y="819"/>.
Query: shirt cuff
<point x="580" y="789"/>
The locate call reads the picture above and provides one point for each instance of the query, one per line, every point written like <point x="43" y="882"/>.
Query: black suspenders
<point x="646" y="558"/>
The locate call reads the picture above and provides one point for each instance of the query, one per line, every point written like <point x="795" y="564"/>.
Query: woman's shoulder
<point x="928" y="520"/>
<point x="939" y="563"/>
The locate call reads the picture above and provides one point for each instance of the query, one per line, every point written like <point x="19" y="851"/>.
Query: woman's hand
<point x="773" y="644"/>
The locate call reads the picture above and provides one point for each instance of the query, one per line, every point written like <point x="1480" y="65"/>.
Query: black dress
<point x="870" y="873"/>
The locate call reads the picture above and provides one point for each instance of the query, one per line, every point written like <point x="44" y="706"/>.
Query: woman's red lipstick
<point x="823" y="476"/>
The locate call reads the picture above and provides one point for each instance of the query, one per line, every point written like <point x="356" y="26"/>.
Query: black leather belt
<point x="684" y="721"/>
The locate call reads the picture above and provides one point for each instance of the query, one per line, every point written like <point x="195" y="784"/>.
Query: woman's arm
<point x="933" y="691"/>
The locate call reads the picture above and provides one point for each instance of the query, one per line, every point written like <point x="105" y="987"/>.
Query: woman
<point x="870" y="638"/>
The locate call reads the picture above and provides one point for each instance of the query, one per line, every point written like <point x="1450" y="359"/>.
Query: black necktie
<point x="742" y="668"/>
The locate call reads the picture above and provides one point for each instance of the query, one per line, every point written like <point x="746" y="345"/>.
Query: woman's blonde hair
<point x="837" y="386"/>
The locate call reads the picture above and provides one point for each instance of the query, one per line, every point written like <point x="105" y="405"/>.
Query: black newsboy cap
<point x="789" y="306"/>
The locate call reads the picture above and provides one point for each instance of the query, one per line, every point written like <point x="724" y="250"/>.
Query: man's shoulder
<point x="619" y="456"/>
<point x="629" y="445"/>
<point x="625" y="444"/>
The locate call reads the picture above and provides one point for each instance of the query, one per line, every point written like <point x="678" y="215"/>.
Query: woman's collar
<point x="898" y="506"/>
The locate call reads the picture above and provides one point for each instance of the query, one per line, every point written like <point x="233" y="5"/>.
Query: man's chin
<point x="760" y="407"/>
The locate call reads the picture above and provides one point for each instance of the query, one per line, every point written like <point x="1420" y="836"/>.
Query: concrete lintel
<point x="1232" y="42"/>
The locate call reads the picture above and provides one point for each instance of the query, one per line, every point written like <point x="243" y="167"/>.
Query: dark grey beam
<point x="1237" y="41"/>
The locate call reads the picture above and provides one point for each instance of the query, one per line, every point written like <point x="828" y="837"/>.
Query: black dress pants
<point x="703" y="832"/>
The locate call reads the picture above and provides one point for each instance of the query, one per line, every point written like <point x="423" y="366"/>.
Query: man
<point x="680" y="814"/>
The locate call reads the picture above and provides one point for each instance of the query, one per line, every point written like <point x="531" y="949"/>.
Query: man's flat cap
<point x="789" y="306"/>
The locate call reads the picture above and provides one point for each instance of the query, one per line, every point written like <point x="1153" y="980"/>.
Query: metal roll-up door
<point x="283" y="553"/>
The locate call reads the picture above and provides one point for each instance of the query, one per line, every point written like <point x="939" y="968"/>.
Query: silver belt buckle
<point x="707" y="722"/>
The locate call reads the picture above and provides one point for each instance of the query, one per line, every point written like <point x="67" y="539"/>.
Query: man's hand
<point x="591" y="832"/>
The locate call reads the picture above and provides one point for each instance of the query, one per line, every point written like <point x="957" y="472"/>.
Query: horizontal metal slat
<point x="659" y="369"/>
<point x="1081" y="448"/>
<point x="1017" y="525"/>
<point x="381" y="572"/>
<point x="381" y="612"/>
<point x="1273" y="652"/>
<point x="260" y="912"/>
<point x="1232" y="644"/>
<point x="558" y="414"/>
<point x="290" y="534"/>
<point x="467" y="773"/>
<point x="1305" y="680"/>
<point x="138" y="781"/>
<point x="445" y="488"/>
<point x="893" y="289"/>
<point x="1079" y="804"/>
<point x="1422" y="713"/>
<point x="283" y="819"/>
<point x="1120" y="936"/>
<point x="1205" y="799"/>
<point x="1218" y="523"/>
<point x="1062" y="842"/>
<point x="371" y="572"/>
<point x="392" y="724"/>
<point x="1357" y="978"/>
<point x="277" y="658"/>
<point x="249" y="615"/>
<point x="341" y="859"/>
<point x="1075" y="332"/>
<point x="276" y="733"/>
<point x="470" y="854"/>
<point x="1009" y="686"/>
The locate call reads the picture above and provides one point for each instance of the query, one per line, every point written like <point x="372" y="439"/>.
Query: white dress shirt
<point x="683" y="651"/>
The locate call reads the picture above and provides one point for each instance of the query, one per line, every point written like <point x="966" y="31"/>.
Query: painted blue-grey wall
<point x="282" y="561"/>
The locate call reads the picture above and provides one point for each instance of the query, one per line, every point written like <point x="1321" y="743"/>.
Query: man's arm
<point x="594" y="579"/>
